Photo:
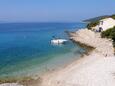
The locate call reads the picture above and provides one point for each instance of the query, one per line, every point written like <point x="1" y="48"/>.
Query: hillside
<point x="95" y="18"/>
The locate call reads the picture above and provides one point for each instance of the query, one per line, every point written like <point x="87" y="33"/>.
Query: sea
<point x="25" y="48"/>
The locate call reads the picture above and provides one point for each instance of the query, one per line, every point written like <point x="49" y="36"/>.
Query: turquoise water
<point x="25" y="48"/>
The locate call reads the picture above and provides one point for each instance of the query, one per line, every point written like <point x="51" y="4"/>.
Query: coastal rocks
<point x="10" y="84"/>
<point x="102" y="45"/>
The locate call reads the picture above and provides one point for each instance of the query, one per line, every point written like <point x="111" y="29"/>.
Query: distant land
<point x="98" y="18"/>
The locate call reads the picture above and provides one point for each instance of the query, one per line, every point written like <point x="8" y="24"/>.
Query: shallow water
<point x="25" y="47"/>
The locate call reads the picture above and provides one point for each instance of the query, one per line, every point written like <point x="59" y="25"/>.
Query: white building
<point x="105" y="24"/>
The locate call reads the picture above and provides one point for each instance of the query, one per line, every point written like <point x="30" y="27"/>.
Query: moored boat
<point x="58" y="41"/>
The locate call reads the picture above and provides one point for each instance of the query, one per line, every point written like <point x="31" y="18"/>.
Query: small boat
<point x="58" y="41"/>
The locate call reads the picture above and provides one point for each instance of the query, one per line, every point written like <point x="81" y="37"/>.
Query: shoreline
<point x="31" y="80"/>
<point x="95" y="69"/>
<point x="85" y="70"/>
<point x="38" y="78"/>
<point x="83" y="58"/>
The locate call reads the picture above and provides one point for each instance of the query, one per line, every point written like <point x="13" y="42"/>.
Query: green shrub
<point x="110" y="33"/>
<point x="92" y="24"/>
<point x="106" y="33"/>
<point x="113" y="16"/>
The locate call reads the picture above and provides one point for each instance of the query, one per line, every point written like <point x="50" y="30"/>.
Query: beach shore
<point x="95" y="69"/>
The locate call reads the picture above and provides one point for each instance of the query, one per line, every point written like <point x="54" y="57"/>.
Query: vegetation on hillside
<point x="106" y="33"/>
<point x="92" y="24"/>
<point x="110" y="33"/>
<point x="95" y="21"/>
<point x="113" y="16"/>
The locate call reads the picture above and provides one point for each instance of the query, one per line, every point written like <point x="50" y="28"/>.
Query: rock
<point x="90" y="38"/>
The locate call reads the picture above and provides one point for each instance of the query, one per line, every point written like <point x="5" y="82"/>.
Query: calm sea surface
<point x="25" y="48"/>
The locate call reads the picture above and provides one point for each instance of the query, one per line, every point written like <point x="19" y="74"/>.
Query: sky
<point x="53" y="10"/>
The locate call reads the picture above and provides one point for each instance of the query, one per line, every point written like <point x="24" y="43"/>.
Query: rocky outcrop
<point x="90" y="38"/>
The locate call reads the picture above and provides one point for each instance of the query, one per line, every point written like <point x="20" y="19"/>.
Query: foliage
<point x="92" y="24"/>
<point x="113" y="16"/>
<point x="110" y="33"/>
<point x="106" y="33"/>
<point x="95" y="21"/>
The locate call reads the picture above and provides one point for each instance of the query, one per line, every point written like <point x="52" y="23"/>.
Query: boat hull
<point x="58" y="41"/>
